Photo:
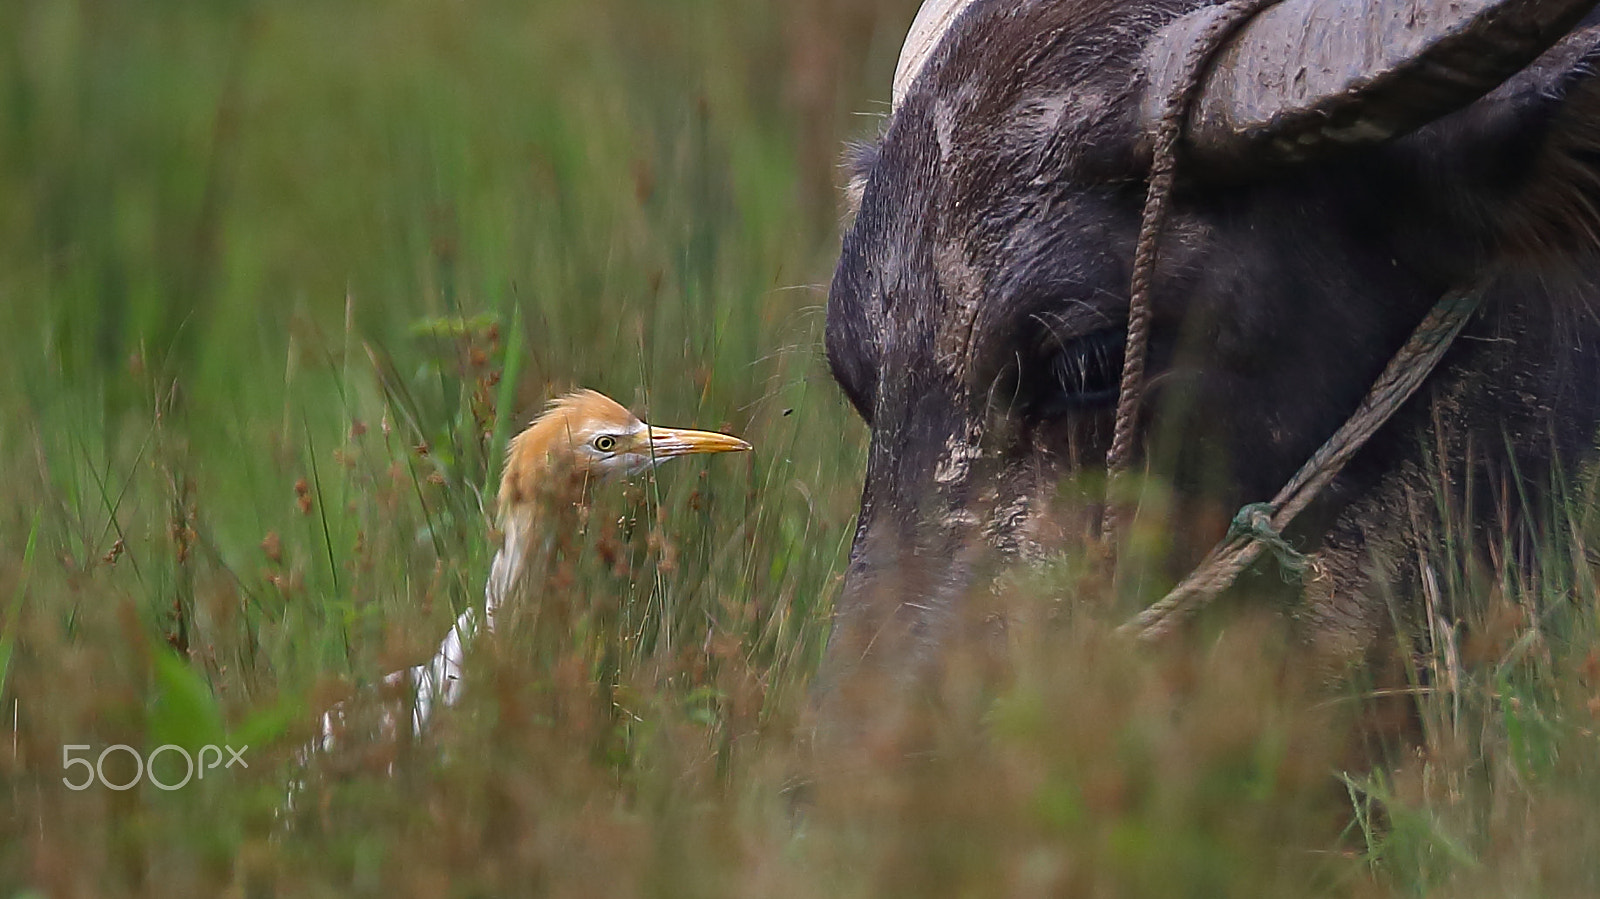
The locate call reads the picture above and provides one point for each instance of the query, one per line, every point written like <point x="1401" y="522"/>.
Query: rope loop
<point x="1197" y="60"/>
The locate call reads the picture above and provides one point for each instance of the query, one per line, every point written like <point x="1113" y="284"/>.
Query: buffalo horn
<point x="927" y="29"/>
<point x="1307" y="77"/>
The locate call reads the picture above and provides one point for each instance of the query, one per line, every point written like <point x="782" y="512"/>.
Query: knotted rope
<point x="1254" y="522"/>
<point x="1265" y="522"/>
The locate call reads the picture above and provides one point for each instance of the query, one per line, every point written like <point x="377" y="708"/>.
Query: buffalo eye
<point x="1083" y="373"/>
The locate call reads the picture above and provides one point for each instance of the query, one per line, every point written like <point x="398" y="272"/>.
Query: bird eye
<point x="605" y="443"/>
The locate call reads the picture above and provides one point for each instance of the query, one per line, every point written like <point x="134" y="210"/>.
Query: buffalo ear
<point x="859" y="158"/>
<point x="1529" y="152"/>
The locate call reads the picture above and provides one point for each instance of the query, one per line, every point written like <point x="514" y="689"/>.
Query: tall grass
<point x="277" y="281"/>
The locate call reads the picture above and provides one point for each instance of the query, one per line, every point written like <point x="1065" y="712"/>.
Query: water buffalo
<point x="1347" y="163"/>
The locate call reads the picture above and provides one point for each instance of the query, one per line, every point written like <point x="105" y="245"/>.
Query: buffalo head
<point x="1345" y="165"/>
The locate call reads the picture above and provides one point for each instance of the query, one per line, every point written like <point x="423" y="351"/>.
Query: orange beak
<point x="666" y="443"/>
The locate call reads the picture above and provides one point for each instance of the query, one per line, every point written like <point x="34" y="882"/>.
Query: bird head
<point x="580" y="436"/>
<point x="589" y="434"/>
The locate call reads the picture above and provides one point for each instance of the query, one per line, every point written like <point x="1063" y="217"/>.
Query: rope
<point x="1163" y="171"/>
<point x="1264" y="523"/>
<point x="1258" y="527"/>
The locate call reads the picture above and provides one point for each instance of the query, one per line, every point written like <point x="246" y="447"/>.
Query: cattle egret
<point x="581" y="435"/>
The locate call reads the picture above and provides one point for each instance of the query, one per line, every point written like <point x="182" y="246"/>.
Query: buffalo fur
<point x="985" y="274"/>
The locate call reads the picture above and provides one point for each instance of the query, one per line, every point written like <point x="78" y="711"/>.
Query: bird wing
<point x="440" y="679"/>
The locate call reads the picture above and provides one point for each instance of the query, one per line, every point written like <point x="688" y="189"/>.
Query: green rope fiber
<point x="1254" y="521"/>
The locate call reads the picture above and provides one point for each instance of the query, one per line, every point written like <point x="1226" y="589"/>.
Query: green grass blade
<point x="8" y="638"/>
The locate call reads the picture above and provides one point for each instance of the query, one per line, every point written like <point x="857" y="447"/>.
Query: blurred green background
<point x="235" y="231"/>
<point x="278" y="280"/>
